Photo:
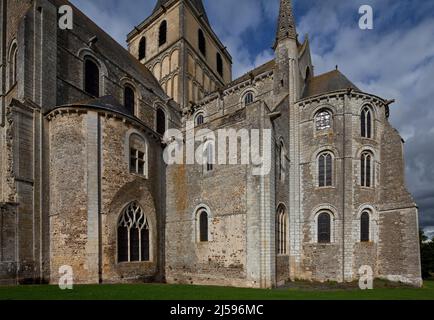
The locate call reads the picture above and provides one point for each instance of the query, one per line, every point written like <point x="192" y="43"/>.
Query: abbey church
<point x="84" y="183"/>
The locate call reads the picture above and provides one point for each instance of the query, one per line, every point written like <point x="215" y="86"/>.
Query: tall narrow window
<point x="325" y="170"/>
<point x="323" y="120"/>
<point x="324" y="228"/>
<point x="203" y="226"/>
<point x="13" y="60"/>
<point x="162" y="36"/>
<point x="142" y="48"/>
<point x="201" y="42"/>
<point x="133" y="235"/>
<point x="161" y="121"/>
<point x="129" y="99"/>
<point x="281" y="231"/>
<point x="364" y="227"/>
<point x="366" y="123"/>
<point x="138" y="155"/>
<point x="209" y="156"/>
<point x="282" y="162"/>
<point x="219" y="64"/>
<point x="366" y="171"/>
<point x="248" y="98"/>
<point x="91" y="77"/>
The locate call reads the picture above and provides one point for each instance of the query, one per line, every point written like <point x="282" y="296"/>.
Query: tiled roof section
<point x="255" y="72"/>
<point x="108" y="103"/>
<point x="197" y="4"/>
<point x="327" y="82"/>
<point x="116" y="53"/>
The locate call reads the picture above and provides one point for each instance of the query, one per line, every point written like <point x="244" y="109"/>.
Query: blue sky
<point x="394" y="60"/>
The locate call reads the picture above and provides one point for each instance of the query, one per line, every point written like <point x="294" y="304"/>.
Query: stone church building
<point x="83" y="182"/>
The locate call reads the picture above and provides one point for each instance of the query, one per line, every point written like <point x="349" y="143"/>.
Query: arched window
<point x="203" y="226"/>
<point x="323" y="120"/>
<point x="364" y="227"/>
<point x="219" y="64"/>
<point x="133" y="235"/>
<point x="162" y="35"/>
<point x="324" y="228"/>
<point x="201" y="42"/>
<point x="282" y="161"/>
<point x="325" y="170"/>
<point x="129" y="99"/>
<point x="248" y="98"/>
<point x="366" y="123"/>
<point x="209" y="156"/>
<point x="142" y="48"/>
<point x="199" y="120"/>
<point x="281" y="231"/>
<point x="91" y="77"/>
<point x="161" y="121"/>
<point x="13" y="61"/>
<point x="366" y="172"/>
<point x="138" y="155"/>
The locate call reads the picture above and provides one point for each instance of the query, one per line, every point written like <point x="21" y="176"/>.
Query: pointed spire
<point x="286" y="24"/>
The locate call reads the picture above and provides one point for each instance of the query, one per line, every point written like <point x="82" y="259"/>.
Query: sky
<point x="395" y="60"/>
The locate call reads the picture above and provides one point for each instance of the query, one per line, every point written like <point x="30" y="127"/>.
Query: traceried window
<point x="91" y="77"/>
<point x="142" y="48"/>
<point x="366" y="172"/>
<point x="248" y="98"/>
<point x="133" y="235"/>
<point x="219" y="64"/>
<point x="162" y="36"/>
<point x="129" y="99"/>
<point x="199" y="120"/>
<point x="201" y="42"/>
<point x="323" y="120"/>
<point x="364" y="227"/>
<point x="281" y="231"/>
<point x="325" y="170"/>
<point x="203" y="227"/>
<point x="324" y="228"/>
<point x="161" y="121"/>
<point x="366" y="123"/>
<point x="138" y="155"/>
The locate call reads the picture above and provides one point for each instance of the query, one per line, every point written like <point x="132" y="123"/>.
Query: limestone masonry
<point x="83" y="182"/>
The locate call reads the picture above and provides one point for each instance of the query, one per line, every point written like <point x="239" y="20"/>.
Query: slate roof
<point x="327" y="82"/>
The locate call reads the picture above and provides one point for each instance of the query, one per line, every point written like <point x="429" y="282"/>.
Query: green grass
<point x="184" y="292"/>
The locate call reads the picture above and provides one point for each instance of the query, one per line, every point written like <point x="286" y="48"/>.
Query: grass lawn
<point x="184" y="292"/>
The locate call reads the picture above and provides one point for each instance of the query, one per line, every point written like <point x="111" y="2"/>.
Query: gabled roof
<point x="268" y="66"/>
<point x="327" y="82"/>
<point x="197" y="4"/>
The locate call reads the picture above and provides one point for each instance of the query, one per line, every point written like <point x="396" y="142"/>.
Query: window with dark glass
<point x="202" y="42"/>
<point x="248" y="98"/>
<point x="91" y="78"/>
<point x="219" y="64"/>
<point x="129" y="99"/>
<point x="199" y="119"/>
<point x="161" y="121"/>
<point x="203" y="226"/>
<point x="366" y="170"/>
<point x="325" y="170"/>
<point x="209" y="155"/>
<point x="162" y="36"/>
<point x="324" y="228"/>
<point x="364" y="227"/>
<point x="138" y="155"/>
<point x="142" y="48"/>
<point x="366" y="123"/>
<point x="133" y="235"/>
